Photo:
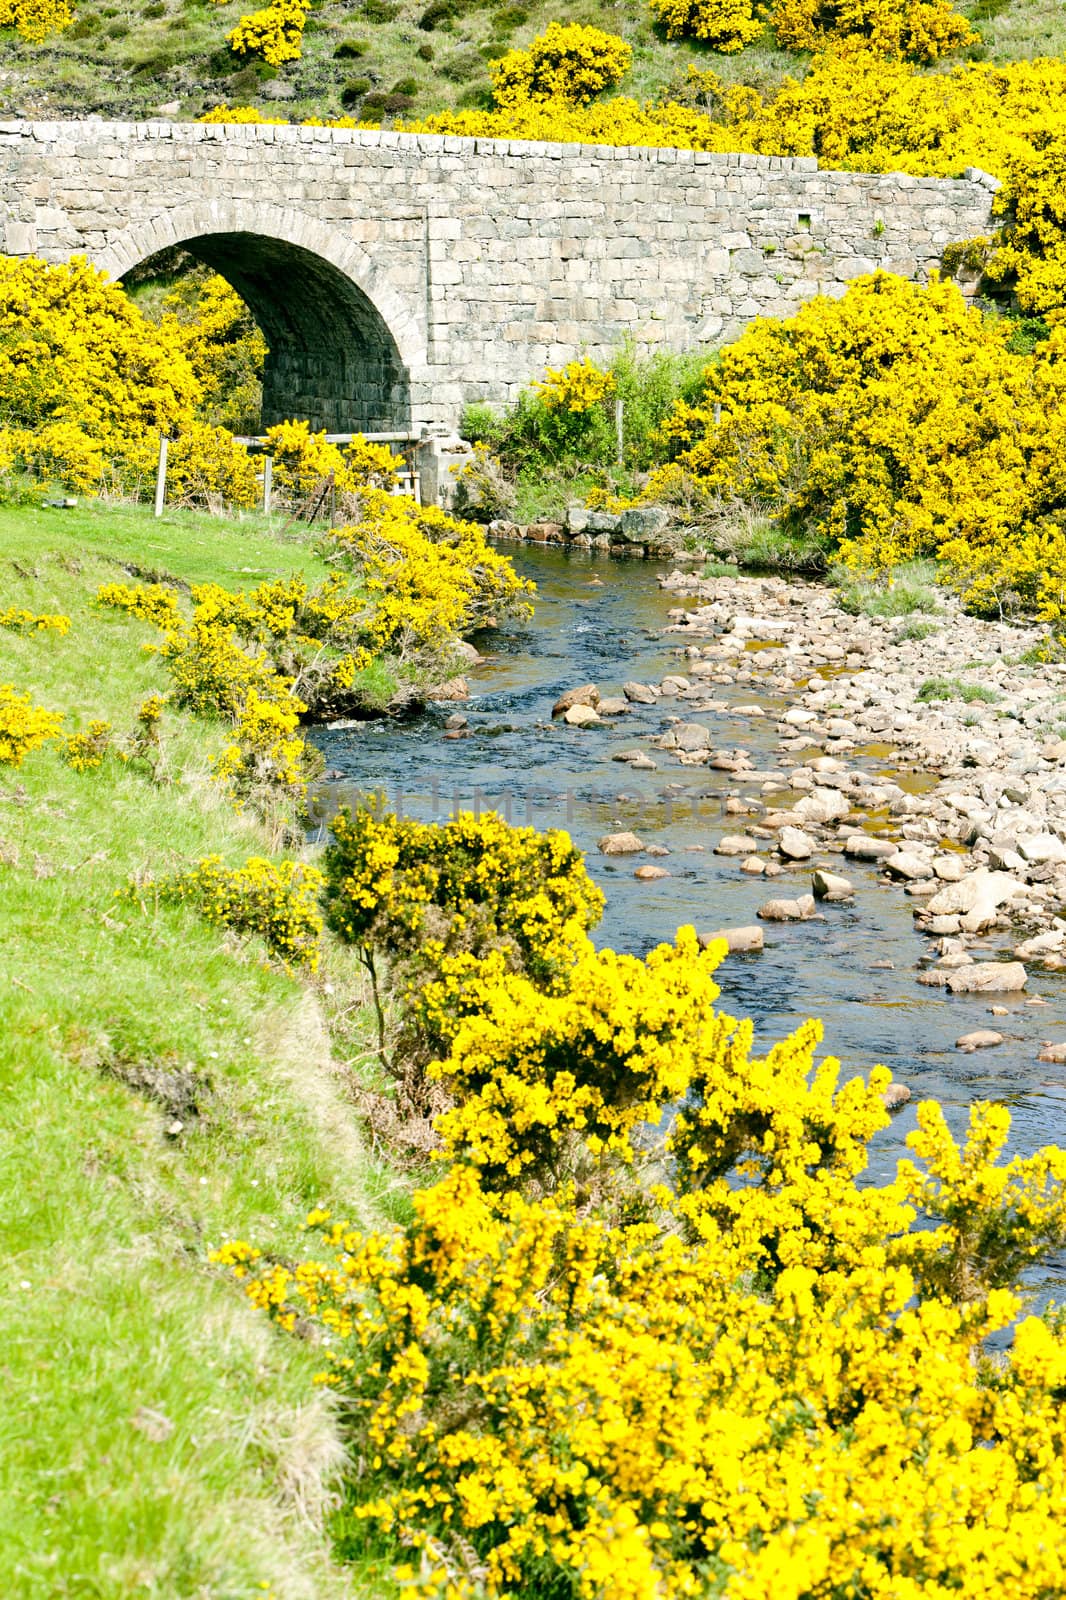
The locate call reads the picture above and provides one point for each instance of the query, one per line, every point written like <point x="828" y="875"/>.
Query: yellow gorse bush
<point x="275" y="33"/>
<point x="920" y="30"/>
<point x="278" y="900"/>
<point x="726" y="25"/>
<point x="87" y="751"/>
<point x="34" y="20"/>
<point x="896" y="422"/>
<point x="19" y="620"/>
<point x="87" y="384"/>
<point x="568" y="62"/>
<point x="578" y="386"/>
<point x="24" y="727"/>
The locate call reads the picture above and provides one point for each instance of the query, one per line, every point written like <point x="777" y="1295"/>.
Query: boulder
<point x="736" y="844"/>
<point x="1055" y="1053"/>
<point x="908" y="864"/>
<point x="620" y="844"/>
<point x="795" y="844"/>
<point x="581" y="717"/>
<point x="979" y="1039"/>
<point x="988" y="977"/>
<point x="864" y="847"/>
<point x="753" y="866"/>
<point x="586" y="694"/>
<point x="823" y="805"/>
<point x="644" y="524"/>
<point x="640" y="693"/>
<point x="691" y="736"/>
<point x="1043" y="944"/>
<point x="613" y="706"/>
<point x="830" y="886"/>
<point x="648" y="873"/>
<point x="453" y="689"/>
<point x="739" y="940"/>
<point x="802" y="909"/>
<point x="1042" y="848"/>
<point x="975" y="899"/>
<point x="949" y="869"/>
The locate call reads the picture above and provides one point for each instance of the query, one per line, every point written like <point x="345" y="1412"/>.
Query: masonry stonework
<point x="399" y="276"/>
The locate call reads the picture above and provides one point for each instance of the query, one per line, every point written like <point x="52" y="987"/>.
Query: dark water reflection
<point x="517" y="761"/>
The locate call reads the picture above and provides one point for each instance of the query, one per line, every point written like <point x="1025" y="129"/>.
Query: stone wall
<point x="398" y="276"/>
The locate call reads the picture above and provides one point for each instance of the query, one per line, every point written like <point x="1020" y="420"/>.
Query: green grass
<point x="159" y="1440"/>
<point x="127" y="59"/>
<point x="907" y="590"/>
<point x="954" y="689"/>
<point x="917" y="628"/>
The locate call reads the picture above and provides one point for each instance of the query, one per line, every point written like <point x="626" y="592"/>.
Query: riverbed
<point x="602" y="621"/>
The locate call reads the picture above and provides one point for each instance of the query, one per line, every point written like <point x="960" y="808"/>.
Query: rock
<point x="691" y="736"/>
<point x="644" y="524"/>
<point x="640" y="693"/>
<point x="988" y="977"/>
<point x="895" y="1096"/>
<point x="1054" y="750"/>
<point x="799" y="910"/>
<point x="830" y="886"/>
<point x="673" y="684"/>
<point x="1042" y="847"/>
<point x="1053" y="1052"/>
<point x="998" y="1011"/>
<point x="620" y="844"/>
<point x="581" y="717"/>
<point x="577" y="518"/>
<point x="466" y="652"/>
<point x="586" y="694"/>
<point x="907" y="864"/>
<point x="823" y="805"/>
<point x="453" y="689"/>
<point x="949" y="869"/>
<point x="613" y="706"/>
<point x="1005" y="860"/>
<point x="736" y="844"/>
<point x="795" y="844"/>
<point x="864" y="847"/>
<point x="738" y="939"/>
<point x="979" y="1039"/>
<point x="456" y="720"/>
<point x="753" y="866"/>
<point x="648" y="874"/>
<point x="975" y="899"/>
<point x="1043" y="944"/>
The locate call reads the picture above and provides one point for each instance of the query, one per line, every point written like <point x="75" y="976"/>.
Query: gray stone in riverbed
<point x="802" y="909"/>
<point x="739" y="940"/>
<point x="979" y="1039"/>
<point x="586" y="694"/>
<point x="641" y="693"/>
<point x="795" y="844"/>
<point x="736" y="844"/>
<point x="864" y="847"/>
<point x="620" y="844"/>
<point x="830" y="886"/>
<point x="988" y="977"/>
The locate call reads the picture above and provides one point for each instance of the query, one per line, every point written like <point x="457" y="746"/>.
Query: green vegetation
<point x="162" y="1087"/>
<point x="130" y="60"/>
<point x="909" y="589"/>
<point x="954" y="689"/>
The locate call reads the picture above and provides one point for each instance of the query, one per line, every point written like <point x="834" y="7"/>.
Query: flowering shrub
<point x="87" y="384"/>
<point x="86" y="751"/>
<point x="369" y="465"/>
<point x="726" y="25"/>
<point x="224" y="347"/>
<point x="275" y="33"/>
<point x="21" y="621"/>
<point x="34" y="20"/>
<point x="429" y="577"/>
<point x="921" y="30"/>
<point x="302" y="459"/>
<point x="544" y="1399"/>
<point x="152" y="602"/>
<point x="567" y="62"/>
<point x="267" y="759"/>
<point x="23" y="726"/>
<point x="441" y="901"/>
<point x="578" y="387"/>
<point x="276" y="900"/>
<point x="894" y="422"/>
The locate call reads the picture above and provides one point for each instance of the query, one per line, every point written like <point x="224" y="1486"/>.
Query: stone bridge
<point x="398" y="276"/>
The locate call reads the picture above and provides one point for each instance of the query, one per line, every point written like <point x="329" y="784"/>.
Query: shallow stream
<point x="600" y="621"/>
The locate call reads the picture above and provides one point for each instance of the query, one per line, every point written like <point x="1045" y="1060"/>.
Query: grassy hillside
<point x="160" y="1088"/>
<point x="124" y="58"/>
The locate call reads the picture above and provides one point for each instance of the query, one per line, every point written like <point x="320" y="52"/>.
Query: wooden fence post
<point x="618" y="421"/>
<point x="161" y="475"/>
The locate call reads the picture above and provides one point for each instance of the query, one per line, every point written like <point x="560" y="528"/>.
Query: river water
<point x="855" y="970"/>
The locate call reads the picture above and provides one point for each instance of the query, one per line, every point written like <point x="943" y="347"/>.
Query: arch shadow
<point x="344" y="352"/>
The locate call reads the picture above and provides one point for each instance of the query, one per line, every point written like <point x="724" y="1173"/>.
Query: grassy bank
<point x="162" y="1088"/>
<point x="127" y="60"/>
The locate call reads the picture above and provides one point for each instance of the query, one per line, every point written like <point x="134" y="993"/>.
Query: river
<point x="855" y="970"/>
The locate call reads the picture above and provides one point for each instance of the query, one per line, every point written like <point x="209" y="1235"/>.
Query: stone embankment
<point x="641" y="531"/>
<point x="934" y="754"/>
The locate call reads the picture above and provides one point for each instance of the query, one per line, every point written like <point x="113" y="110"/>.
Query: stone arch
<point x="345" y="352"/>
